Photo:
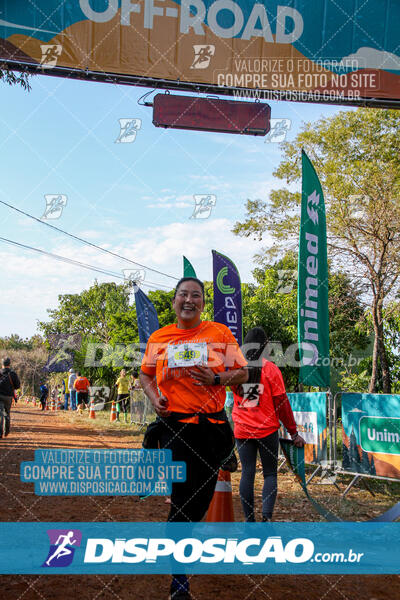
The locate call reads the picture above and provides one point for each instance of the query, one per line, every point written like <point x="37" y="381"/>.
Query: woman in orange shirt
<point x="191" y="362"/>
<point x="81" y="385"/>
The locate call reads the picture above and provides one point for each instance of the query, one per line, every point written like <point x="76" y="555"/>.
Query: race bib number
<point x="187" y="355"/>
<point x="251" y="395"/>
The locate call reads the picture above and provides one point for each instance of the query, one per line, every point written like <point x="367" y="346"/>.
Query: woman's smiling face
<point x="188" y="304"/>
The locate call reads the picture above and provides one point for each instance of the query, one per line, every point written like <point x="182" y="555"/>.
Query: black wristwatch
<point x="217" y="379"/>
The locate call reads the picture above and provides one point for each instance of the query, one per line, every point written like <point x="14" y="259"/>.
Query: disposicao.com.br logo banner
<point x="199" y="548"/>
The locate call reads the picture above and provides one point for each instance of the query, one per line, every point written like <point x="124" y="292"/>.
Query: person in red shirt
<point x="184" y="372"/>
<point x="259" y="405"/>
<point x="81" y="385"/>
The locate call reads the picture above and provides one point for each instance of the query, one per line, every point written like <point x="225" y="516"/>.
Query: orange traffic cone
<point x="34" y="401"/>
<point x="47" y="404"/>
<point x="92" y="412"/>
<point x="221" y="507"/>
<point x="113" y="414"/>
<point x="53" y="404"/>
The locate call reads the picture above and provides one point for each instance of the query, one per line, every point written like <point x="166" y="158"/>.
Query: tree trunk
<point x="374" y="375"/>
<point x="386" y="383"/>
<point x="379" y="355"/>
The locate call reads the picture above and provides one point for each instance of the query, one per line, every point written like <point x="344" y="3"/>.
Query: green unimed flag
<point x="188" y="270"/>
<point x="312" y="293"/>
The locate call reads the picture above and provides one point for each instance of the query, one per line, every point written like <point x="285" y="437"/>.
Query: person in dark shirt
<point x="9" y="382"/>
<point x="44" y="392"/>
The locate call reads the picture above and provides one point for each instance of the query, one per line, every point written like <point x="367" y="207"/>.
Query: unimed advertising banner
<point x="371" y="434"/>
<point x="309" y="411"/>
<point x="335" y="51"/>
<point x="312" y="286"/>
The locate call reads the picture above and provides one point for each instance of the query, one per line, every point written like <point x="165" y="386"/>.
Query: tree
<point x="162" y="302"/>
<point x="28" y="364"/>
<point x="12" y="78"/>
<point x="357" y="157"/>
<point x="92" y="312"/>
<point x="273" y="305"/>
<point x="15" y="342"/>
<point x="106" y="320"/>
<point x="105" y="316"/>
<point x="391" y="326"/>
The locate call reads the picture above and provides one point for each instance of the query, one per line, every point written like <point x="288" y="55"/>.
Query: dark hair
<point x="258" y="336"/>
<point x="183" y="279"/>
<point x="135" y="373"/>
<point x="78" y="373"/>
<point x="6" y="361"/>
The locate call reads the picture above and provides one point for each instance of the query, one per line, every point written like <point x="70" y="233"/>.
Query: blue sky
<point x="135" y="199"/>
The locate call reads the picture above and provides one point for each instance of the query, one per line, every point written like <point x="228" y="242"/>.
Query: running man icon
<point x="62" y="549"/>
<point x="204" y="203"/>
<point x="63" y="543"/>
<point x="50" y="54"/>
<point x="55" y="204"/>
<point x="202" y="56"/>
<point x="129" y="129"/>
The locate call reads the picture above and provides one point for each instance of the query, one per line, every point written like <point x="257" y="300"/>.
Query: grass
<point x="102" y="421"/>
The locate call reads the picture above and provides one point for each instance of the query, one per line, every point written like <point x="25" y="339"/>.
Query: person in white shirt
<point x="72" y="390"/>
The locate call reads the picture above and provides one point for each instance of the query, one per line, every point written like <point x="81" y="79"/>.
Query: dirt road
<point x="32" y="429"/>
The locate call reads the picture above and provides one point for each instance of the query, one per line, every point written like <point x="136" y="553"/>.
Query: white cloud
<point x="164" y="246"/>
<point x="35" y="281"/>
<point x="180" y="201"/>
<point x="166" y="198"/>
<point x="205" y="178"/>
<point x="88" y="234"/>
<point x="371" y="58"/>
<point x="171" y="205"/>
<point x="211" y="183"/>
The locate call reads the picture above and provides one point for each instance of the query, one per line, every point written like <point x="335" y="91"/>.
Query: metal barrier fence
<point x="370" y="436"/>
<point x="318" y="422"/>
<point x="141" y="409"/>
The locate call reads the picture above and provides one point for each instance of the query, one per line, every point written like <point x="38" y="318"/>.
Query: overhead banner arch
<point x="337" y="52"/>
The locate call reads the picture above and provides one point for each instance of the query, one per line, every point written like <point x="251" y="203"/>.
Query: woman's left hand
<point x="298" y="441"/>
<point x="203" y="375"/>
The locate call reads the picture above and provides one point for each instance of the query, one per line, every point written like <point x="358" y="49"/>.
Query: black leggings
<point x="198" y="446"/>
<point x="123" y="401"/>
<point x="268" y="449"/>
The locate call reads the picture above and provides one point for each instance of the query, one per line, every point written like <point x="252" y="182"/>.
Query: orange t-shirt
<point x="168" y="349"/>
<point x="81" y="384"/>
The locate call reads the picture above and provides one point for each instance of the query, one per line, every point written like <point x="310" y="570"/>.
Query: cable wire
<point x="86" y="242"/>
<point x="73" y="262"/>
